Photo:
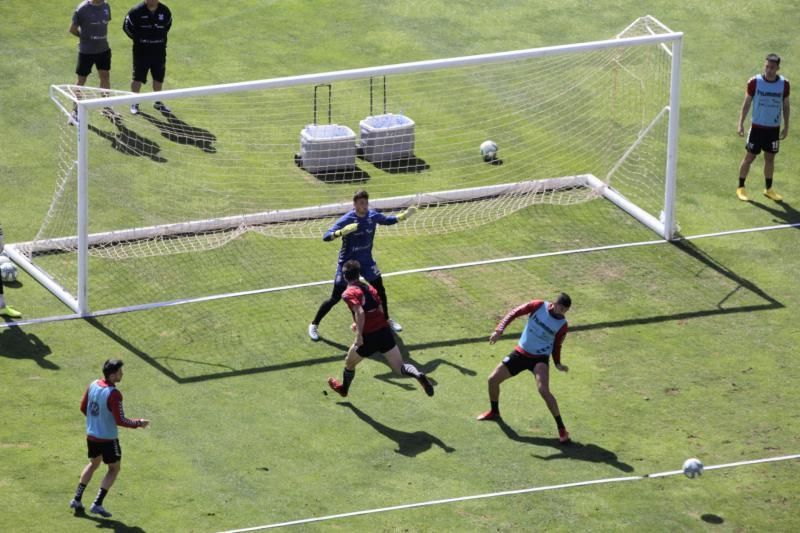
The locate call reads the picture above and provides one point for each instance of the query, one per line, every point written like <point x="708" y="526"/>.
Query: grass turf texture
<point x="675" y="352"/>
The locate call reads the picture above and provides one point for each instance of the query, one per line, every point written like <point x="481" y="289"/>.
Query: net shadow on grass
<point x="571" y="450"/>
<point x="179" y="132"/>
<point x="17" y="344"/>
<point x="692" y="254"/>
<point x="409" y="444"/>
<point x="128" y="142"/>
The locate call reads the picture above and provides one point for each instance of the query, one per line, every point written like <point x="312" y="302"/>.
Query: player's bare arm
<point x="358" y="315"/>
<point x="748" y="100"/>
<point x="73" y="29"/>
<point x="785" y="131"/>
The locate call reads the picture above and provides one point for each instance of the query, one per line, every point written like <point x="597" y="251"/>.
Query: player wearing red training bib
<point x="543" y="336"/>
<point x="373" y="333"/>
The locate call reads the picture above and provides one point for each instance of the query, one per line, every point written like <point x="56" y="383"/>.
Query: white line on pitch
<point x="504" y="493"/>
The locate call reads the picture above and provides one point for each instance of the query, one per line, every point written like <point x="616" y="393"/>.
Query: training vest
<point x="100" y="422"/>
<point x="540" y="331"/>
<point x="768" y="102"/>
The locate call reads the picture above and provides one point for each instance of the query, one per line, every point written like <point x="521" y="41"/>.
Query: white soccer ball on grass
<point x="489" y="150"/>
<point x="8" y="272"/>
<point x="693" y="468"/>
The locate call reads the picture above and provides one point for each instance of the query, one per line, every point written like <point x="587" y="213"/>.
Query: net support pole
<point x="83" y="210"/>
<point x="672" y="141"/>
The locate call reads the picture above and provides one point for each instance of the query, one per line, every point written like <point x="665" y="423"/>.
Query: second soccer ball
<point x="489" y="150"/>
<point x="693" y="468"/>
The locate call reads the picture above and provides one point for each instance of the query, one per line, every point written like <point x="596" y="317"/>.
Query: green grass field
<point x="676" y="350"/>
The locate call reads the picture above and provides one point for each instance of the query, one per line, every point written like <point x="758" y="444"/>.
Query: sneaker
<point x="489" y="415"/>
<point x="99" y="509"/>
<point x="161" y="106"/>
<point x="426" y="384"/>
<point x="395" y="326"/>
<point x="313" y="332"/>
<point x="334" y="384"/>
<point x="741" y="194"/>
<point x="563" y="435"/>
<point x="134" y="109"/>
<point x="77" y="505"/>
<point x="772" y="195"/>
<point x="10" y="312"/>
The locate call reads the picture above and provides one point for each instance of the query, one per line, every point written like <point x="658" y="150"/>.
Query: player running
<point x="102" y="406"/>
<point x="357" y="229"/>
<point x="373" y="333"/>
<point x="543" y="335"/>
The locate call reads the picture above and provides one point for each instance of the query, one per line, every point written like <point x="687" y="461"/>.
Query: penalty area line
<point x="504" y="493"/>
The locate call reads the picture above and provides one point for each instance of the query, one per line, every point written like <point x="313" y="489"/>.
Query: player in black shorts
<point x="147" y="24"/>
<point x="373" y="333"/>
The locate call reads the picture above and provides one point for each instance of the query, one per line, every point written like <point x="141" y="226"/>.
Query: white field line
<point x="200" y="299"/>
<point x="503" y="493"/>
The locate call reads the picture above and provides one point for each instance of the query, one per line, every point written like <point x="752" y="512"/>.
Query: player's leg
<point x="352" y="360"/>
<point x="112" y="456"/>
<point x="7" y="310"/>
<point x="103" y="62"/>
<point x="158" y="69"/>
<point x="138" y="77"/>
<point x="744" y="170"/>
<point x="542" y="373"/>
<point x="395" y="360"/>
<point x="377" y="282"/>
<point x="500" y="373"/>
<point x="339" y="286"/>
<point x="86" y="477"/>
<point x="769" y="170"/>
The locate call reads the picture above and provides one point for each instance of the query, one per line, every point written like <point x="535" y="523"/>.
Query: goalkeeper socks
<point x="2" y="300"/>
<point x="347" y="379"/>
<point x="559" y="422"/>
<point x="741" y="182"/>
<point x="79" y="491"/>
<point x="768" y="182"/>
<point x="101" y="495"/>
<point x="409" y="370"/>
<point x="495" y="406"/>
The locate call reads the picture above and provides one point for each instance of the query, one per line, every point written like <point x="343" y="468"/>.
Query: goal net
<point x="230" y="188"/>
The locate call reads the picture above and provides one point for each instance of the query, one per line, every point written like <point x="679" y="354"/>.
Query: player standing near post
<point x="357" y="230"/>
<point x="147" y="24"/>
<point x="373" y="333"/>
<point x="543" y="335"/>
<point x="769" y="95"/>
<point x="5" y="310"/>
<point x="102" y="406"/>
<point x="90" y="25"/>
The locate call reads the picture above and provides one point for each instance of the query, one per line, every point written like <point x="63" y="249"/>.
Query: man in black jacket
<point x="147" y="24"/>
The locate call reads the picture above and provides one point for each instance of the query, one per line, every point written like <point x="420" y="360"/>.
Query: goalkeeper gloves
<point x="348" y="229"/>
<point x="407" y="213"/>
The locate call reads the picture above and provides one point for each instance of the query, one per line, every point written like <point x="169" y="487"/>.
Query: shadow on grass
<point x="179" y="132"/>
<point x="17" y="344"/>
<point x="783" y="212"/>
<point x="409" y="165"/>
<point x="409" y="444"/>
<point x="108" y="523"/>
<point x="702" y="258"/>
<point x="571" y="450"/>
<point x="128" y="142"/>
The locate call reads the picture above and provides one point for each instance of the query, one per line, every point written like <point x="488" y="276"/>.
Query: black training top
<point x="148" y="29"/>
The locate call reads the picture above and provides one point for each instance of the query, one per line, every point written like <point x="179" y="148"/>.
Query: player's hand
<point x="144" y="423"/>
<point x="784" y="133"/>
<point x="347" y="230"/>
<point x="740" y="130"/>
<point x="562" y="368"/>
<point x="494" y="336"/>
<point x="407" y="213"/>
<point x="353" y="327"/>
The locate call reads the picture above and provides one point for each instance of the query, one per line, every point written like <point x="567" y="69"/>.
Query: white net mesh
<point x="200" y="199"/>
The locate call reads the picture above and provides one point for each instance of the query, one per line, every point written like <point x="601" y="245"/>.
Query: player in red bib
<point x="373" y="333"/>
<point x="542" y="337"/>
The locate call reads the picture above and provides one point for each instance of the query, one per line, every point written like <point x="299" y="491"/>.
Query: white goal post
<point x="645" y="119"/>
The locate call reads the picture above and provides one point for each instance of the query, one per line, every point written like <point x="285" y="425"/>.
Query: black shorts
<point x="110" y="450"/>
<point x="377" y="341"/>
<point x="154" y="61"/>
<point x="85" y="62"/>
<point x="763" y="139"/>
<point x="516" y="363"/>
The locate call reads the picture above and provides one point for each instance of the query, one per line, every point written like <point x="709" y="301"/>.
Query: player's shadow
<point x="409" y="165"/>
<point x="783" y="212"/>
<point x="17" y="344"/>
<point x="428" y="368"/>
<point x="571" y="450"/>
<point x="409" y="444"/>
<point x="179" y="132"/>
<point x="108" y="523"/>
<point x="128" y="142"/>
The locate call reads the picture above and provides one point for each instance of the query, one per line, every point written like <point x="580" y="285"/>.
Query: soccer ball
<point x="693" y="468"/>
<point x="488" y="151"/>
<point x="8" y="272"/>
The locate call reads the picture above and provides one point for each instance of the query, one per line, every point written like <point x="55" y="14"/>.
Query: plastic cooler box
<point x="387" y="137"/>
<point x="327" y="147"/>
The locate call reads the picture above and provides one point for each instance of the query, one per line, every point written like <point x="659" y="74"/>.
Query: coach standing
<point x="148" y="24"/>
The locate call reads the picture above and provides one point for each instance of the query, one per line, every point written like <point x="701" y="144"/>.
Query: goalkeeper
<point x="5" y="310"/>
<point x="357" y="230"/>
